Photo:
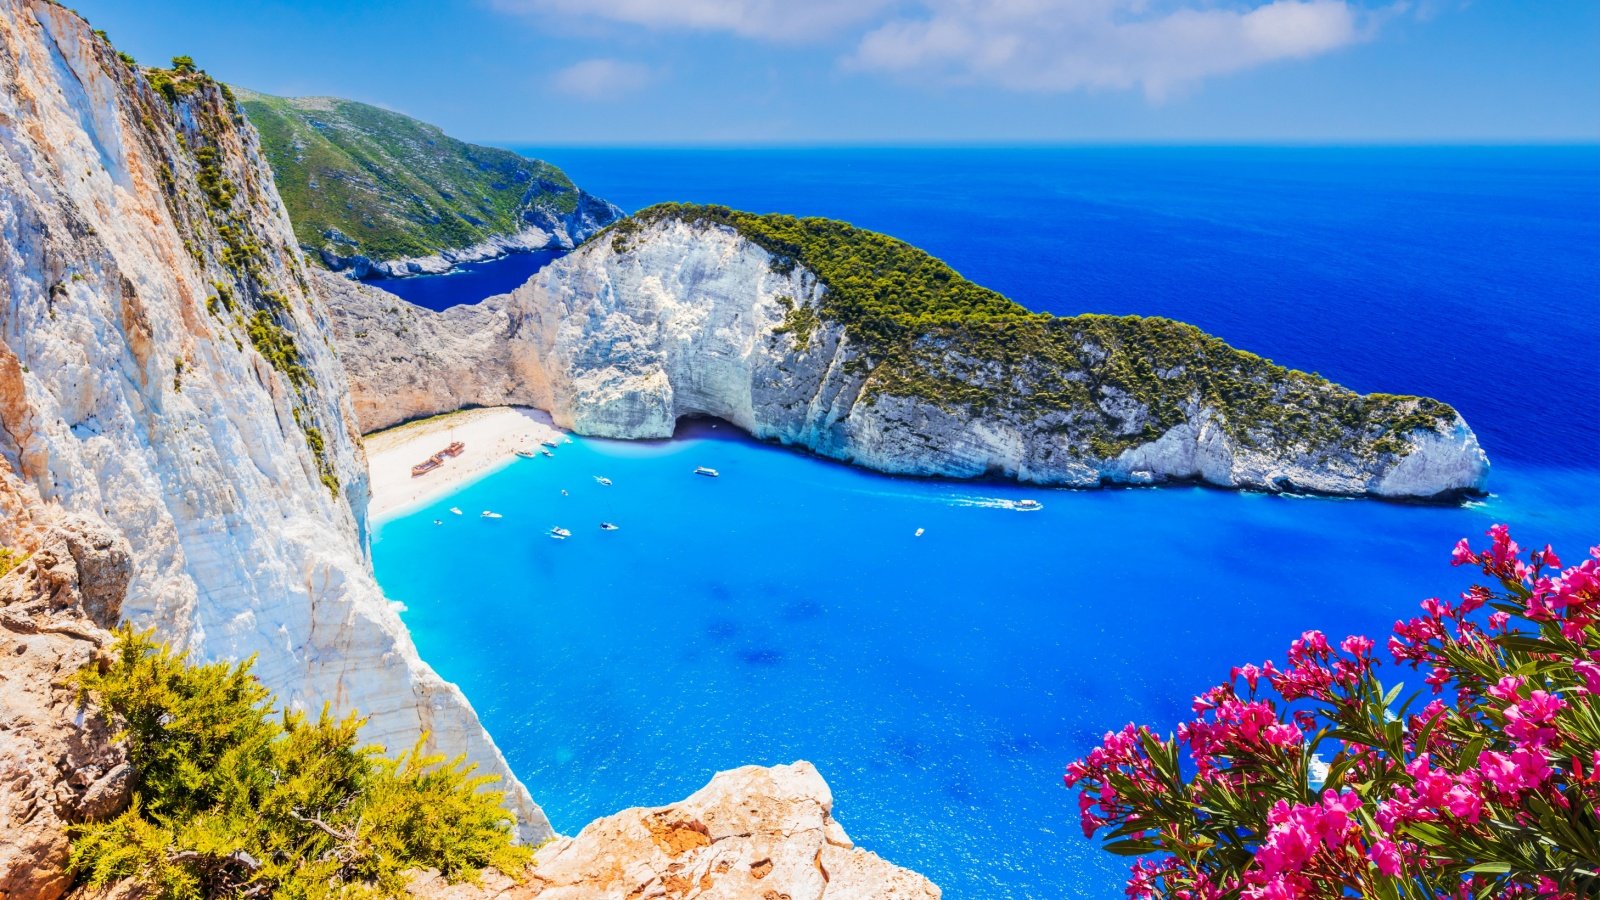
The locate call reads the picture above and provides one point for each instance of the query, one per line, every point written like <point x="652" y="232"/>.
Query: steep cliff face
<point x="166" y="368"/>
<point x="406" y="362"/>
<point x="676" y="315"/>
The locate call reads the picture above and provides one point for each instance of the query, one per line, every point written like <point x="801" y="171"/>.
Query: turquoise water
<point x="786" y="610"/>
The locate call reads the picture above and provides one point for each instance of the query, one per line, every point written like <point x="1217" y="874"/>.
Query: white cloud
<point x="1065" y="45"/>
<point x="601" y="78"/>
<point x="1158" y="46"/>
<point x="774" y="20"/>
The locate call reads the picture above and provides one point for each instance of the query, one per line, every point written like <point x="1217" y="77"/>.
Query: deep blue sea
<point x="470" y="282"/>
<point x="788" y="611"/>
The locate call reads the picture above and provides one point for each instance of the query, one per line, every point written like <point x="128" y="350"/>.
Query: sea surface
<point x="468" y="283"/>
<point x="787" y="610"/>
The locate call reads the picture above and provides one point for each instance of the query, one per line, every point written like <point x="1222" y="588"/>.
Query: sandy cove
<point x="491" y="437"/>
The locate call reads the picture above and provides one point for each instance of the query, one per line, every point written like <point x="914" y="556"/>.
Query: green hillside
<point x="364" y="181"/>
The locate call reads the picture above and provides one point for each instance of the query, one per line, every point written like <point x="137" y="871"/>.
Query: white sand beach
<point x="491" y="436"/>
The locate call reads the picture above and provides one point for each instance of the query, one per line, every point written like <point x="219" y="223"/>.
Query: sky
<point x="867" y="72"/>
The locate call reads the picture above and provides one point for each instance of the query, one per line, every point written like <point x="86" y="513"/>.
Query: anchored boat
<point x="706" y="471"/>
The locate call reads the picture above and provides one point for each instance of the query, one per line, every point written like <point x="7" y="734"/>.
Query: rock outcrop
<point x="165" y="367"/>
<point x="751" y="834"/>
<point x="688" y="318"/>
<point x="58" y="765"/>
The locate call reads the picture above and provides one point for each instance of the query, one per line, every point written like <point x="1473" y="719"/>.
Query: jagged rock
<point x="164" y="366"/>
<point x="751" y="834"/>
<point x="688" y="319"/>
<point x="58" y="765"/>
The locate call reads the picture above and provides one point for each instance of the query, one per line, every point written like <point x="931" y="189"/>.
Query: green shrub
<point x="10" y="559"/>
<point x="233" y="798"/>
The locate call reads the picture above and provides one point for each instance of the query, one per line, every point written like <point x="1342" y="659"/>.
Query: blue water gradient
<point x="786" y="610"/>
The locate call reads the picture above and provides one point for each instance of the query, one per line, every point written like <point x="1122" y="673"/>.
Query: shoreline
<point x="491" y="436"/>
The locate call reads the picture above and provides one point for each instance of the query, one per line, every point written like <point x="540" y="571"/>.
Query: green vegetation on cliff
<point x="929" y="333"/>
<point x="234" y="798"/>
<point x="395" y="187"/>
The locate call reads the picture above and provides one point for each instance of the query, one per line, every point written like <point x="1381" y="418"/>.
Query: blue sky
<point x="660" y="72"/>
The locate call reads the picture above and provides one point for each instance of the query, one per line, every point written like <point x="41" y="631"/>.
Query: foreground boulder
<point x="751" y="834"/>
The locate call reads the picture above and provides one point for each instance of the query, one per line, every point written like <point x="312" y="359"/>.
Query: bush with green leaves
<point x="233" y="797"/>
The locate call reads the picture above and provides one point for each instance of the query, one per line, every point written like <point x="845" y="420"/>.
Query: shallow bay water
<point x="786" y="610"/>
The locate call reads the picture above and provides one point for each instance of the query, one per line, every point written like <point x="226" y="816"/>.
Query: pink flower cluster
<point x="1336" y="786"/>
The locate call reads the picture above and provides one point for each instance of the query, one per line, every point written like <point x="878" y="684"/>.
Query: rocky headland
<point x="861" y="348"/>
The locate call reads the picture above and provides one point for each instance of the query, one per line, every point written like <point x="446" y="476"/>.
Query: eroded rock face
<point x="165" y="366"/>
<point x="688" y="320"/>
<point x="751" y="834"/>
<point x="58" y="765"/>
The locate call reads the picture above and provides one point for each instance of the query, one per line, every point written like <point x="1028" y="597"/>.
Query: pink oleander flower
<point x="1408" y="799"/>
<point x="1385" y="857"/>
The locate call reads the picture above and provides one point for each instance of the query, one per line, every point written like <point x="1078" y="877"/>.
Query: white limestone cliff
<point x="688" y="320"/>
<point x="165" y="367"/>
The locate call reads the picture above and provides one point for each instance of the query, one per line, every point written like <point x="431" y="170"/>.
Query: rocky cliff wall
<point x="623" y="338"/>
<point x="165" y="367"/>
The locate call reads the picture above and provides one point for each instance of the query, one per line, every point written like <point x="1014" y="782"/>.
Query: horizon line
<point x="1266" y="144"/>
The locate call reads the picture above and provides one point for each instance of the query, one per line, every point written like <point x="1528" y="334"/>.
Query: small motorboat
<point x="919" y="532"/>
<point x="601" y="479"/>
<point x="566" y="440"/>
<point x="560" y="533"/>
<point x="438" y="521"/>
<point x="563" y="492"/>
<point x="706" y="471"/>
<point x="549" y="443"/>
<point x="491" y="515"/>
<point x="456" y="510"/>
<point x="607" y="526"/>
<point x="1029" y="505"/>
<point x="546" y="452"/>
<point x="525" y="454"/>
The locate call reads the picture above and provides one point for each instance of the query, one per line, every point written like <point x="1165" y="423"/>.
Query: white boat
<point x="566" y="440"/>
<point x="438" y="521"/>
<point x="563" y="492"/>
<point x="455" y="510"/>
<point x="707" y="471"/>
<point x="1029" y="505"/>
<point x="546" y="452"/>
<point x="601" y="479"/>
<point x="607" y="526"/>
<point x="560" y="533"/>
<point x="491" y="515"/>
<point x="919" y="532"/>
<point x="525" y="454"/>
<point x="549" y="443"/>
